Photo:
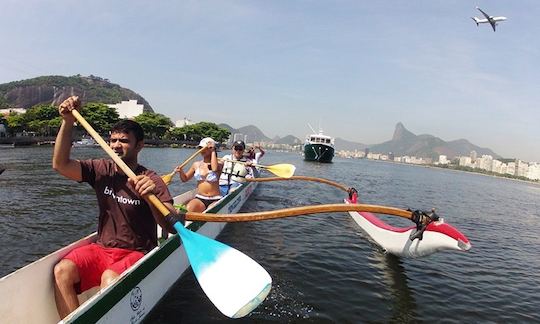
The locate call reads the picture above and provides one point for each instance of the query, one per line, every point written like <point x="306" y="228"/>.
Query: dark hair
<point x="239" y="144"/>
<point x="127" y="126"/>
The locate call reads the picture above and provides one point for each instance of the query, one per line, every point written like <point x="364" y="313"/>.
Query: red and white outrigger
<point x="430" y="235"/>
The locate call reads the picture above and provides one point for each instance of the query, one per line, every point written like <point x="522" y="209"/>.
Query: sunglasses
<point x="238" y="148"/>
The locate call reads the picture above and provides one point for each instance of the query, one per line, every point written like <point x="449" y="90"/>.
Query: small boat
<point x="85" y="142"/>
<point x="406" y="241"/>
<point x="319" y="148"/>
<point x="131" y="297"/>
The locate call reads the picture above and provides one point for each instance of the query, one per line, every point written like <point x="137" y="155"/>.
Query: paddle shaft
<point x="297" y="211"/>
<point x="321" y="180"/>
<point x="191" y="157"/>
<point x="121" y="164"/>
<point x="168" y="177"/>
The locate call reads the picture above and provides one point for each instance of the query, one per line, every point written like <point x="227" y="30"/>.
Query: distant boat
<point x="85" y="142"/>
<point x="319" y="148"/>
<point x="12" y="145"/>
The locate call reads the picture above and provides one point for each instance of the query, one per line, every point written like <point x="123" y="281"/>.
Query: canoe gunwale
<point x="167" y="261"/>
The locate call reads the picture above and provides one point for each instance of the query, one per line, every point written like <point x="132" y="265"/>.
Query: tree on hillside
<point x="15" y="123"/>
<point x="198" y="131"/>
<point x="38" y="119"/>
<point x="207" y="129"/>
<point x="100" y="116"/>
<point x="154" y="125"/>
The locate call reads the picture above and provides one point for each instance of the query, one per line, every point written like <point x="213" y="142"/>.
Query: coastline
<point x="456" y="170"/>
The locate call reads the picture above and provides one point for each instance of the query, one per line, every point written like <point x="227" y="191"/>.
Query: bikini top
<point x="211" y="176"/>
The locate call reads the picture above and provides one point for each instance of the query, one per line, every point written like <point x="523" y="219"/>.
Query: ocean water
<point x="324" y="268"/>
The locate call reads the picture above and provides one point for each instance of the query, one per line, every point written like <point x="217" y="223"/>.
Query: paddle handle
<point x="297" y="211"/>
<point x="151" y="197"/>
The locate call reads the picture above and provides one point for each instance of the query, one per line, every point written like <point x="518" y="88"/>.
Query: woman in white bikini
<point x="207" y="173"/>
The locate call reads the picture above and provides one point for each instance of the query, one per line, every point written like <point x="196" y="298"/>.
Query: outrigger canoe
<point x="407" y="241"/>
<point x="28" y="293"/>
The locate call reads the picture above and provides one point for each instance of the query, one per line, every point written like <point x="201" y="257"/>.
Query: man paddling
<point x="234" y="174"/>
<point x="127" y="223"/>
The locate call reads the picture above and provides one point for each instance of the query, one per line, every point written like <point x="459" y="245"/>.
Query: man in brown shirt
<point x="127" y="223"/>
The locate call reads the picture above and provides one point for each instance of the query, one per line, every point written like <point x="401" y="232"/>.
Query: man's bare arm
<point x="61" y="161"/>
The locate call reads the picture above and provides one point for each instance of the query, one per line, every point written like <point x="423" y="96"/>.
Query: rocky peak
<point x="400" y="133"/>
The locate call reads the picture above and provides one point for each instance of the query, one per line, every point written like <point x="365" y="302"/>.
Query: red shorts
<point x="93" y="259"/>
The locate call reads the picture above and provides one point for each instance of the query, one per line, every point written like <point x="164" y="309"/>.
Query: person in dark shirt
<point x="127" y="223"/>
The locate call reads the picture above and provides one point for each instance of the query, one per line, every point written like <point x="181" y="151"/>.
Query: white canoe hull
<point x="28" y="293"/>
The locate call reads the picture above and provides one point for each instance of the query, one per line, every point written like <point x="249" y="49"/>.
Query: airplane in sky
<point x="489" y="19"/>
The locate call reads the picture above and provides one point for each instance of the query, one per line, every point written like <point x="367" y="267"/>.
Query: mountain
<point x="341" y="144"/>
<point x="289" y="139"/>
<point x="404" y="142"/>
<point x="253" y="133"/>
<point x="54" y="89"/>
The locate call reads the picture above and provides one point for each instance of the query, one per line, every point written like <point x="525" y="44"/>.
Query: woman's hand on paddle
<point x="143" y="184"/>
<point x="67" y="106"/>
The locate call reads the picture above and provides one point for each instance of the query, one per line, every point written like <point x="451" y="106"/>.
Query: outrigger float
<point x="28" y="293"/>
<point x="430" y="234"/>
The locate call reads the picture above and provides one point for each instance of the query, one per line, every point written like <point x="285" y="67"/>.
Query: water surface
<point x="323" y="267"/>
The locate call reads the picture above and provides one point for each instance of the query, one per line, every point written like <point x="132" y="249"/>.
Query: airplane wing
<point x="483" y="13"/>
<point x="493" y="23"/>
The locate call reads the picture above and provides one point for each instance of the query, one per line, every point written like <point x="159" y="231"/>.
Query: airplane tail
<point x="475" y="20"/>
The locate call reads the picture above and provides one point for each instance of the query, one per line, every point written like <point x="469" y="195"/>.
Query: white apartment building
<point x="239" y="137"/>
<point x="521" y="168"/>
<point x="128" y="109"/>
<point x="465" y="161"/>
<point x="534" y="171"/>
<point x="443" y="159"/>
<point x="484" y="162"/>
<point x="511" y="168"/>
<point x="183" y="122"/>
<point x="7" y="111"/>
<point x="496" y="166"/>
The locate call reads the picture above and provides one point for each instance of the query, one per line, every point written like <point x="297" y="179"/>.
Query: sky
<point x="353" y="68"/>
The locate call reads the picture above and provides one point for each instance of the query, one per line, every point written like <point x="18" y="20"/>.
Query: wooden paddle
<point x="168" y="177"/>
<point x="283" y="170"/>
<point x="234" y="282"/>
<point x="297" y="211"/>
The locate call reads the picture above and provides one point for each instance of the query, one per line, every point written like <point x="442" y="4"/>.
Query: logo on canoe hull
<point x="234" y="204"/>
<point x="135" y="299"/>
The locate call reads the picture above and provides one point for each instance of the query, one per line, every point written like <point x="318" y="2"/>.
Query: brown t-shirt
<point x="125" y="218"/>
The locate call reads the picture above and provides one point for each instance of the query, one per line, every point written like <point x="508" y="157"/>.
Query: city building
<point x="534" y="171"/>
<point x="183" y="122"/>
<point x="465" y="161"/>
<point x="474" y="156"/>
<point x="521" y="168"/>
<point x="443" y="159"/>
<point x="128" y="109"/>
<point x="7" y="111"/>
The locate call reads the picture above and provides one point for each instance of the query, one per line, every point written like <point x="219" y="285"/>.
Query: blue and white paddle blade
<point x="234" y="282"/>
